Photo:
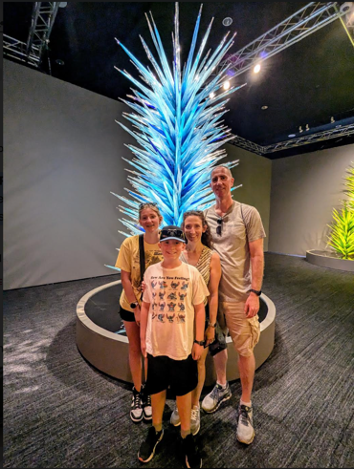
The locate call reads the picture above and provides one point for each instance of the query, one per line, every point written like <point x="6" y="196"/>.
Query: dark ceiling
<point x="307" y="83"/>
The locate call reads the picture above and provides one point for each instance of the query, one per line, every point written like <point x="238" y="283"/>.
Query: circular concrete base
<point x="99" y="340"/>
<point x="328" y="260"/>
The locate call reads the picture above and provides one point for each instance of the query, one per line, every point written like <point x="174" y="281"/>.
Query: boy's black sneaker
<point x="191" y="452"/>
<point x="147" y="448"/>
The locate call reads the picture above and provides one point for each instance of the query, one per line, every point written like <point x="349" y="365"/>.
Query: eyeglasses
<point x="219" y="227"/>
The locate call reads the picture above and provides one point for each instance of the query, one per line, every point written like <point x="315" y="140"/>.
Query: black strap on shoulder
<point x="142" y="258"/>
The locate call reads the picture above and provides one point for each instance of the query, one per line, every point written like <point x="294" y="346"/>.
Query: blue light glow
<point x="177" y="126"/>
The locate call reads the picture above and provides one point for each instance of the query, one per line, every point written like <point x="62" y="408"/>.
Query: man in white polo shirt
<point x="238" y="234"/>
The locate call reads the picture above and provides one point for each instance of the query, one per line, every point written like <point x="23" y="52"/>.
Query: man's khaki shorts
<point x="244" y="331"/>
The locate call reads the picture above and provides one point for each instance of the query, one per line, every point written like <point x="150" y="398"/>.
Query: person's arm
<point x="257" y="265"/>
<point x="213" y="286"/>
<point x="199" y="321"/>
<point x="128" y="289"/>
<point x="145" y="306"/>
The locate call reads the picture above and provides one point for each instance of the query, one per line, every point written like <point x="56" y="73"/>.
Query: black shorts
<point x="181" y="376"/>
<point x="126" y="315"/>
<point x="219" y="344"/>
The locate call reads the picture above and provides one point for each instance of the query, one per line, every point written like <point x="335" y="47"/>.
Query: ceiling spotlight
<point x="291" y="135"/>
<point x="264" y="107"/>
<point x="227" y="21"/>
<point x="226" y="85"/>
<point x="332" y="119"/>
<point x="59" y="62"/>
<point x="307" y="127"/>
<point x="212" y="95"/>
<point x="301" y="129"/>
<point x="257" y="68"/>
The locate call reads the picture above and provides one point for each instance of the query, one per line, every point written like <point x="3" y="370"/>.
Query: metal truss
<point x="348" y="21"/>
<point x="43" y="17"/>
<point x="342" y="131"/>
<point x="304" y="22"/>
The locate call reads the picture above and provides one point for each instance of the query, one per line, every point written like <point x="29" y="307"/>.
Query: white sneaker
<point x="245" y="431"/>
<point x="175" y="420"/>
<point x="195" y="420"/>
<point x="218" y="395"/>
<point x="136" y="407"/>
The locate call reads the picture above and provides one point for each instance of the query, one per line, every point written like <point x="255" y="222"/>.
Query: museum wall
<point x="62" y="158"/>
<point x="305" y="188"/>
<point x="254" y="173"/>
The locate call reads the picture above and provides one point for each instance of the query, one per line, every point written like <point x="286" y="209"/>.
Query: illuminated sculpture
<point x="341" y="237"/>
<point x="177" y="124"/>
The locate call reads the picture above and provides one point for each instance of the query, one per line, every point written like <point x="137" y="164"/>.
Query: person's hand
<point x="197" y="351"/>
<point x="143" y="286"/>
<point x="209" y="335"/>
<point x="143" y="347"/>
<point x="252" y="305"/>
<point x="137" y="314"/>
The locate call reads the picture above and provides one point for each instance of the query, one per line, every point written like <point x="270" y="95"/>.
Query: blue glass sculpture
<point x="176" y="117"/>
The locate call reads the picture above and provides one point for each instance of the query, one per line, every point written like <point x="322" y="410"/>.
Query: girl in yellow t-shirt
<point x="129" y="263"/>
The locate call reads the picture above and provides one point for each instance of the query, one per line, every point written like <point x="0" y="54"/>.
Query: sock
<point x="223" y="386"/>
<point x="184" y="433"/>
<point x="158" y="427"/>
<point x="196" y="407"/>
<point x="246" y="403"/>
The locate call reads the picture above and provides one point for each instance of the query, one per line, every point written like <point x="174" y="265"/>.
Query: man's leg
<point x="246" y="366"/>
<point x="221" y="391"/>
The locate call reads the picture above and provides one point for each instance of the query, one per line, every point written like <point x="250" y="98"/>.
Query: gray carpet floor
<point x="59" y="412"/>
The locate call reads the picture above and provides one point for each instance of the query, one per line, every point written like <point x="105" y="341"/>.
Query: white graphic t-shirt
<point x="172" y="294"/>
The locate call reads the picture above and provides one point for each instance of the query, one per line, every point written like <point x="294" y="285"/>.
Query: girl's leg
<point x="133" y="333"/>
<point x="201" y="379"/>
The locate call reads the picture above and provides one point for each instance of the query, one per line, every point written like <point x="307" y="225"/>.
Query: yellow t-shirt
<point x="128" y="260"/>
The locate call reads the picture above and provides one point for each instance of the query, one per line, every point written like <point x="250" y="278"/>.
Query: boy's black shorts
<point x="181" y="376"/>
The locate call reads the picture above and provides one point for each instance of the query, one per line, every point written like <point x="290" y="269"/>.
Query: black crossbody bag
<point x="142" y="259"/>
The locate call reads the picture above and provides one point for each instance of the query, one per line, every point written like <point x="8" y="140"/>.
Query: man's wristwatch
<point x="134" y="305"/>
<point x="257" y="292"/>
<point x="201" y="343"/>
<point x="213" y="325"/>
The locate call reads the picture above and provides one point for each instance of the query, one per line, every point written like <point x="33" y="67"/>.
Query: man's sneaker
<point x="195" y="420"/>
<point x="245" y="431"/>
<point x="191" y="453"/>
<point x="175" y="420"/>
<point x="136" y="407"/>
<point x="146" y="402"/>
<point x="218" y="395"/>
<point x="148" y="447"/>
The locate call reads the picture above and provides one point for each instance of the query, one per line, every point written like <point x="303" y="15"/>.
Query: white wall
<point x="305" y="188"/>
<point x="254" y="173"/>
<point x="62" y="158"/>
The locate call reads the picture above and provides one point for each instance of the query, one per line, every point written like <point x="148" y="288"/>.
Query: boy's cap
<point x="172" y="232"/>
